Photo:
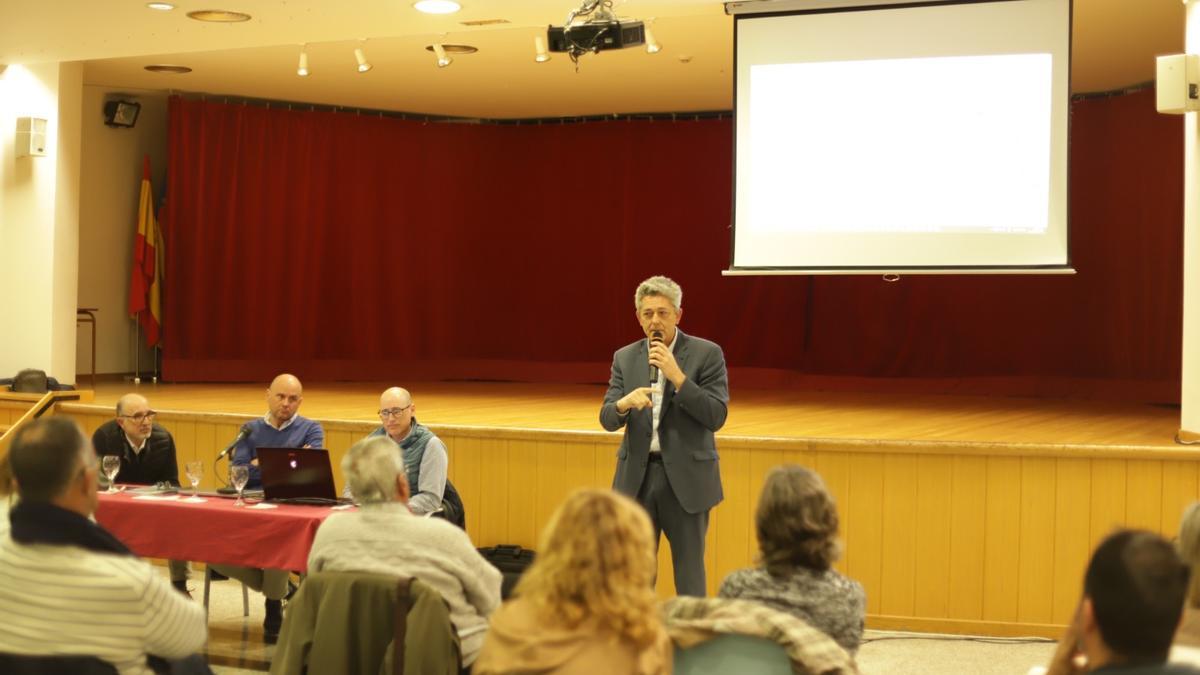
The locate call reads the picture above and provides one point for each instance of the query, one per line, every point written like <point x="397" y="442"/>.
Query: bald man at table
<point x="281" y="427"/>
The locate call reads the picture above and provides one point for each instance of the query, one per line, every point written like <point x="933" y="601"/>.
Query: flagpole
<point x="137" y="351"/>
<point x="157" y="359"/>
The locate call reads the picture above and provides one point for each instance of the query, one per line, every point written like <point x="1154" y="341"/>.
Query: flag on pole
<point x="145" y="284"/>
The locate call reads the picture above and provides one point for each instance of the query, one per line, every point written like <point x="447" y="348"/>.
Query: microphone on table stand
<point x="242" y="433"/>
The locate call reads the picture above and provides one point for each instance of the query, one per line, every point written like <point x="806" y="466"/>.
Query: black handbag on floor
<point x="512" y="561"/>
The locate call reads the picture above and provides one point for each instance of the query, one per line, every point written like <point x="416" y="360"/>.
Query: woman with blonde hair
<point x="587" y="604"/>
<point x="797" y="524"/>
<point x="1186" y="646"/>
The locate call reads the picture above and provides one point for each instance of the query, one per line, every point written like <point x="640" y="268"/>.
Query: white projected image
<point x="956" y="144"/>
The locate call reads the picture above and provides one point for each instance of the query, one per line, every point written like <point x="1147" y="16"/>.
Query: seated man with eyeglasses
<point x="424" y="456"/>
<point x="147" y="453"/>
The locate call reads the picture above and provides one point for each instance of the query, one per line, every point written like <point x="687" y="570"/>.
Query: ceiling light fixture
<point x="164" y="68"/>
<point x="218" y="16"/>
<point x="437" y="6"/>
<point x="161" y="6"/>
<point x="442" y="59"/>
<point x="652" y="46"/>
<point x="302" y="69"/>
<point x="539" y="46"/>
<point x="359" y="56"/>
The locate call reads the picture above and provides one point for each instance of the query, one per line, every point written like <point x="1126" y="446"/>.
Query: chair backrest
<point x="351" y="621"/>
<point x="21" y="664"/>
<point x="733" y="654"/>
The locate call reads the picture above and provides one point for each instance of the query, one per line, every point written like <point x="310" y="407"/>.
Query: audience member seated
<point x="147" y="453"/>
<point x="797" y="525"/>
<point x="1133" y="593"/>
<point x="7" y="495"/>
<point x="425" y="458"/>
<point x="1186" y="647"/>
<point x="281" y="427"/>
<point x="69" y="587"/>
<point x="384" y="537"/>
<point x="587" y="603"/>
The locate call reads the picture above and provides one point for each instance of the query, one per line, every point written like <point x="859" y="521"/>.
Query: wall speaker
<point x="31" y="137"/>
<point x="120" y="113"/>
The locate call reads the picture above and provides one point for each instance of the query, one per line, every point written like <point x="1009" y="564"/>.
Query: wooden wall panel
<point x="932" y="527"/>
<point x="968" y="541"/>
<point x="1002" y="528"/>
<point x="898" y="536"/>
<point x="1036" y="541"/>
<point x="985" y="539"/>
<point x="1072" y="527"/>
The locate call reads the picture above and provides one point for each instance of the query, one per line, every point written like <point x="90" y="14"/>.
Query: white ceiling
<point x="1115" y="42"/>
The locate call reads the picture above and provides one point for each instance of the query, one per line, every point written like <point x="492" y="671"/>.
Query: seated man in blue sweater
<point x="281" y="427"/>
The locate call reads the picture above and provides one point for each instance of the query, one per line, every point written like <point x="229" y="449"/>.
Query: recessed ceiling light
<point x="165" y="68"/>
<point x="454" y="49"/>
<point x="161" y="6"/>
<point x="218" y="16"/>
<point x="437" y="6"/>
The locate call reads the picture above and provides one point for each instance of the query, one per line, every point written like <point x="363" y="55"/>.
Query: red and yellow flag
<point x="145" y="284"/>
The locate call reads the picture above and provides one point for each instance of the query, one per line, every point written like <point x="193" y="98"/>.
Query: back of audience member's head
<point x="1136" y="584"/>
<point x="371" y="467"/>
<point x="797" y="522"/>
<point x="1189" y="550"/>
<point x="596" y="562"/>
<point x="46" y="457"/>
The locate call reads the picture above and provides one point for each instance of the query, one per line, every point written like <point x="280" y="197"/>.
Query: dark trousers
<point x="685" y="531"/>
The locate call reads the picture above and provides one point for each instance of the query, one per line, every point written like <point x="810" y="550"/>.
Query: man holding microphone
<point x="670" y="392"/>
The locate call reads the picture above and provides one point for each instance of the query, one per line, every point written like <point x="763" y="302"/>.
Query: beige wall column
<point x="39" y="221"/>
<point x="1190" y="414"/>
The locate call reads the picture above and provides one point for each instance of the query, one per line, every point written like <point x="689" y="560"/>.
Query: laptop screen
<point x="290" y="473"/>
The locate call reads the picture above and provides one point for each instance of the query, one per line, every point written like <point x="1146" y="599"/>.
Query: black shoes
<point x="181" y="586"/>
<point x="273" y="621"/>
<point x="216" y="576"/>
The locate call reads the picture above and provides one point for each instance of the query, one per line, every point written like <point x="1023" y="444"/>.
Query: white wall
<point x="111" y="175"/>
<point x="1190" y="413"/>
<point x="39" y="220"/>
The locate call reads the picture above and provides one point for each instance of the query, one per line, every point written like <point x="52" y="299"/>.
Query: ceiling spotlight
<point x="166" y="68"/>
<point x="363" y="66"/>
<point x="161" y="6"/>
<point x="539" y="46"/>
<point x="442" y="59"/>
<point x="652" y="46"/>
<point x="302" y="69"/>
<point x="218" y="16"/>
<point x="437" y="6"/>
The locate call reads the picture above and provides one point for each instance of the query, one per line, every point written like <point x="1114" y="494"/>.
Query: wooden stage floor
<point x="753" y="413"/>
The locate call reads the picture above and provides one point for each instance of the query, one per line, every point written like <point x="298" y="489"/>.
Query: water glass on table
<point x="195" y="471"/>
<point x="111" y="464"/>
<point x="239" y="474"/>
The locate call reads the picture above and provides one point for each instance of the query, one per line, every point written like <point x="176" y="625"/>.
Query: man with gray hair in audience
<point x="69" y="587"/>
<point x="385" y="537"/>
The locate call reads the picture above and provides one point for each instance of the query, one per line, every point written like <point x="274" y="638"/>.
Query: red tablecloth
<point x="215" y="531"/>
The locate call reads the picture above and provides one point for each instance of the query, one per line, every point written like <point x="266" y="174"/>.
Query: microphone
<point x="242" y="433"/>
<point x="655" y="336"/>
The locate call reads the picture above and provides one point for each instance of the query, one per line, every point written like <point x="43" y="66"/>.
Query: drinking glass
<point x="238" y="475"/>
<point x="195" y="471"/>
<point x="111" y="464"/>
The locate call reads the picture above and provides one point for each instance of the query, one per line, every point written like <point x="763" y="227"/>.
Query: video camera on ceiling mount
<point x="592" y="28"/>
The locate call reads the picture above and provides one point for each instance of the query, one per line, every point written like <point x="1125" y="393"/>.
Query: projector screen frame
<point x="765" y="9"/>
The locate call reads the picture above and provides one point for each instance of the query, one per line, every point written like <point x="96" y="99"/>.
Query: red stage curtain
<point x="339" y="245"/>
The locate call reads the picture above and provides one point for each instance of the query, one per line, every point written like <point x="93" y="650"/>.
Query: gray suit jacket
<point x="688" y="420"/>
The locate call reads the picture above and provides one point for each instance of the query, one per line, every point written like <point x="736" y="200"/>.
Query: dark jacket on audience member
<point x="156" y="462"/>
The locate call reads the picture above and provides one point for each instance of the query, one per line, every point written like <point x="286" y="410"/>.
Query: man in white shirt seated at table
<point x="384" y="537"/>
<point x="67" y="586"/>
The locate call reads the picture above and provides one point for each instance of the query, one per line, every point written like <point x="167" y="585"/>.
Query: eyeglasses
<point x="147" y="416"/>
<point x="394" y="412"/>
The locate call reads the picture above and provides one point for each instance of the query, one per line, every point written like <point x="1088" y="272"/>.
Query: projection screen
<point x="919" y="137"/>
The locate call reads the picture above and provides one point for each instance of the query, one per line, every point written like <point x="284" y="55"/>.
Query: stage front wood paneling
<point x="975" y="536"/>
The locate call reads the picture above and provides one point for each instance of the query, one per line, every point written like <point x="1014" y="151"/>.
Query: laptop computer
<point x="298" y="475"/>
